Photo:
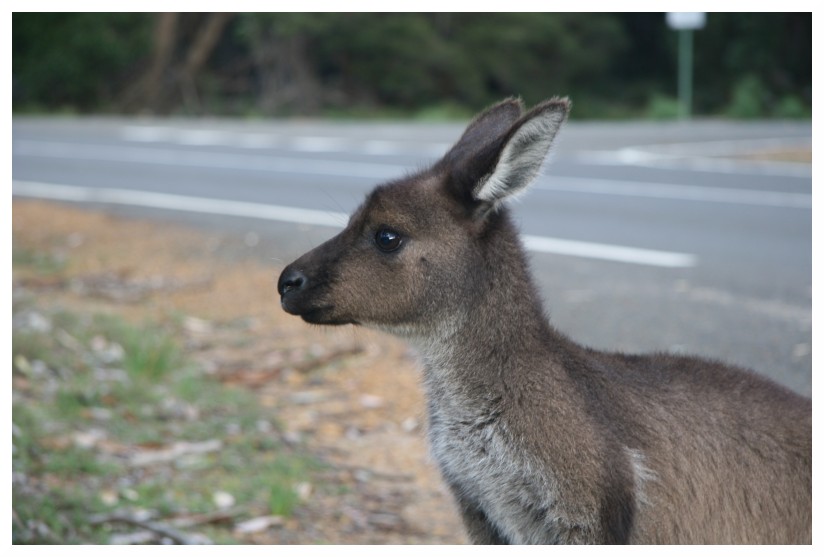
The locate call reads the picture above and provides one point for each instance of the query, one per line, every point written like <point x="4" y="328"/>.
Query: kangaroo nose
<point x="291" y="279"/>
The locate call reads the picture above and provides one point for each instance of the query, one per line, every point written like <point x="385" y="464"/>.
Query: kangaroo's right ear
<point x="501" y="152"/>
<point x="478" y="148"/>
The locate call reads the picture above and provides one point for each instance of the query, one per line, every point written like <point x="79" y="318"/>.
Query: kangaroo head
<point x="419" y="249"/>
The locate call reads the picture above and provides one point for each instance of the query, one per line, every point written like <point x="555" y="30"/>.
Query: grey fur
<point x="542" y="440"/>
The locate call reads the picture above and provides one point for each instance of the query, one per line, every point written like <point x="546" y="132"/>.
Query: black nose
<point x="291" y="280"/>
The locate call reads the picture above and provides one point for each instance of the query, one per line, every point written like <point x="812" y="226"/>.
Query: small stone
<point x="22" y="364"/>
<point x="130" y="494"/>
<point x="258" y="524"/>
<point x="195" y="325"/>
<point x="88" y="439"/>
<point x="75" y="240"/>
<point x="35" y="322"/>
<point x="223" y="500"/>
<point x="371" y="401"/>
<point x="100" y="414"/>
<point x="409" y="425"/>
<point x="292" y="437"/>
<point x="362" y="476"/>
<point x="109" y="497"/>
<point x="304" y="490"/>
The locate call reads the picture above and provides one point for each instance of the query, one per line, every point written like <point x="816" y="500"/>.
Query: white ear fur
<point x="523" y="154"/>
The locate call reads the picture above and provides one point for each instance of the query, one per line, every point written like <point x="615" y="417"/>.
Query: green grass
<point x="150" y="353"/>
<point x="41" y="262"/>
<point x="65" y="390"/>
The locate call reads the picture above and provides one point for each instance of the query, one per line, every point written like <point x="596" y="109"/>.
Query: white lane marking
<point x="541" y="244"/>
<point x="720" y="147"/>
<point x="383" y="171"/>
<point x="202" y="137"/>
<point x="701" y="156"/>
<point x="310" y="144"/>
<point x="609" y="252"/>
<point x="174" y="202"/>
<point x="258" y="140"/>
<point x="705" y="157"/>
<point x="205" y="159"/>
<point x="147" y="134"/>
<point x="676" y="191"/>
<point x="382" y="147"/>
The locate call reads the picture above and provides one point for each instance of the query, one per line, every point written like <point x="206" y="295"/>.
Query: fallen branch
<point x="162" y="530"/>
<point x="174" y="452"/>
<point x="242" y="372"/>
<point x="227" y="515"/>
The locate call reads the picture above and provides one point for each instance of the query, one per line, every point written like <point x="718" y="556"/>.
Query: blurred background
<point x="165" y="167"/>
<point x="747" y="65"/>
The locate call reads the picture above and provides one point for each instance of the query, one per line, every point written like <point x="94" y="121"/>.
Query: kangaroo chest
<point x="478" y="457"/>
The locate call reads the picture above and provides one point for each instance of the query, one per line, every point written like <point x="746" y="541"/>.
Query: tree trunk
<point x="166" y="79"/>
<point x="145" y="93"/>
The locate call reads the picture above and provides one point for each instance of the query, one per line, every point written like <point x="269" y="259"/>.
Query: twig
<point x="174" y="452"/>
<point x="207" y="518"/>
<point x="162" y="530"/>
<point x="370" y="473"/>
<point x="326" y="359"/>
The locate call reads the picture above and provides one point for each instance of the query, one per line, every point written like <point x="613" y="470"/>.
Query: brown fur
<point x="542" y="440"/>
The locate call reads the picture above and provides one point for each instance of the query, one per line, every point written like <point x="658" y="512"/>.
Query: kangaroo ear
<point x="485" y="130"/>
<point x="476" y="151"/>
<point x="496" y="159"/>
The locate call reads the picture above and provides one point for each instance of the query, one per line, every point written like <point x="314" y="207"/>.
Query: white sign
<point x="686" y="20"/>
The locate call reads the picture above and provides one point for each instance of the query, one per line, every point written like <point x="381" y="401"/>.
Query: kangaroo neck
<point x="485" y="340"/>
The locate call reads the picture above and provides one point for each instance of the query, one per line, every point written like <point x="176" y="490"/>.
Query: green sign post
<point x="685" y="23"/>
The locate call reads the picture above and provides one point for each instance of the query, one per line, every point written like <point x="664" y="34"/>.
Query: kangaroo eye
<point x="387" y="240"/>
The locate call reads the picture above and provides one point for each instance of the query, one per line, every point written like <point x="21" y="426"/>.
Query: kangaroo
<point x="542" y="440"/>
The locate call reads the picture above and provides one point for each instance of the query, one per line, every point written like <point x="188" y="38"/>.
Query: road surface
<point x="643" y="236"/>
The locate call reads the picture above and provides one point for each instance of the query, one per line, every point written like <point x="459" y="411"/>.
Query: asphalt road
<point x="643" y="236"/>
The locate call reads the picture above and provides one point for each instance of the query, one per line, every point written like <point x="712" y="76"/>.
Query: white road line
<point x="256" y="141"/>
<point x="179" y="203"/>
<point x="116" y="196"/>
<point x="203" y="137"/>
<point x="382" y="147"/>
<point x="206" y="159"/>
<point x="609" y="252"/>
<point x="311" y="144"/>
<point x="302" y="143"/>
<point x="383" y="171"/>
<point x="702" y="156"/>
<point x="147" y="134"/>
<point x="676" y="191"/>
<point x="631" y="156"/>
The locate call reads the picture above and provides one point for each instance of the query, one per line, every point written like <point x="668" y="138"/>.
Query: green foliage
<point x="429" y="65"/>
<point x="791" y="107"/>
<point x="282" y="499"/>
<point x="59" y="481"/>
<point x="40" y="262"/>
<point x="76" y="60"/>
<point x="56" y="516"/>
<point x="748" y="98"/>
<point x="661" y="107"/>
<point x="744" y="61"/>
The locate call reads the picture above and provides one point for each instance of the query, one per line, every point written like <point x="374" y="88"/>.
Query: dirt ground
<point x="350" y="395"/>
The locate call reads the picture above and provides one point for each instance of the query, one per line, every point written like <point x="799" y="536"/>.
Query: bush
<point x="74" y="60"/>
<point x="748" y="98"/>
<point x="662" y="107"/>
<point x="791" y="107"/>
